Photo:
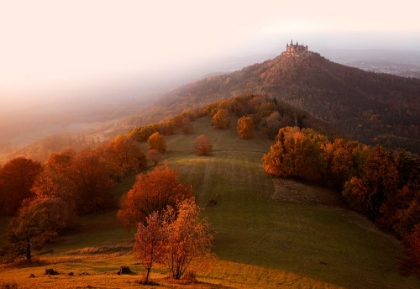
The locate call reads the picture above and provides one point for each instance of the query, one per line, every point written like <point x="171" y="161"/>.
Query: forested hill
<point x="366" y="106"/>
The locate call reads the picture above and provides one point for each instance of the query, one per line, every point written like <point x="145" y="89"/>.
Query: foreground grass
<point x="260" y="243"/>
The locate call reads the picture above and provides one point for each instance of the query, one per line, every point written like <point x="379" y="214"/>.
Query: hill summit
<point x="296" y="49"/>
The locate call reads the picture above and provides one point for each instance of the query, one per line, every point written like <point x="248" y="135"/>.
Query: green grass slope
<point x="260" y="243"/>
<point x="325" y="243"/>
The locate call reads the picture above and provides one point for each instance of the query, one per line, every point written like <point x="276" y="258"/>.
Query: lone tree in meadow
<point x="150" y="243"/>
<point x="189" y="236"/>
<point x="246" y="127"/>
<point x="203" y="146"/>
<point x="157" y="142"/>
<point x="152" y="192"/>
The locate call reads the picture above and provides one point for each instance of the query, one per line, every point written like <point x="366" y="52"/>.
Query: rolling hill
<point x="261" y="242"/>
<point x="366" y="106"/>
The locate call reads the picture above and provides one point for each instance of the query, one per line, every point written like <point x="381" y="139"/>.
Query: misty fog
<point x="89" y="63"/>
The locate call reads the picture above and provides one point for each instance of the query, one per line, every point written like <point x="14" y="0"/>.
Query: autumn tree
<point x="152" y="192"/>
<point x="221" y="119"/>
<point x="186" y="125"/>
<point x="16" y="179"/>
<point x="51" y="183"/>
<point x="344" y="159"/>
<point x="245" y="127"/>
<point x="124" y="156"/>
<point x="203" y="146"/>
<point x="91" y="174"/>
<point x="38" y="221"/>
<point x="412" y="248"/>
<point x="60" y="162"/>
<point x="189" y="236"/>
<point x="296" y="154"/>
<point x="155" y="156"/>
<point x="150" y="243"/>
<point x="157" y="142"/>
<point x="366" y="193"/>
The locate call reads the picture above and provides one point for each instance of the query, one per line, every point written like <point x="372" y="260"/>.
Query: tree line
<point x="382" y="184"/>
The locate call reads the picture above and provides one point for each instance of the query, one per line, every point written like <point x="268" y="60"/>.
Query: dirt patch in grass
<point x="295" y="192"/>
<point x="126" y="248"/>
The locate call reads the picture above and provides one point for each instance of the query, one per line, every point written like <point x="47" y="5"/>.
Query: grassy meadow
<point x="260" y="243"/>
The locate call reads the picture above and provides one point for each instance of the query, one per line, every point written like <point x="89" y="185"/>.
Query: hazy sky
<point x="45" y="45"/>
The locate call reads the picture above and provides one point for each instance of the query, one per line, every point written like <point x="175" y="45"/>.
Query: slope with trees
<point x="366" y="106"/>
<point x="382" y="184"/>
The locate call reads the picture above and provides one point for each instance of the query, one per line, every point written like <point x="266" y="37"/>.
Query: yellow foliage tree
<point x="189" y="236"/>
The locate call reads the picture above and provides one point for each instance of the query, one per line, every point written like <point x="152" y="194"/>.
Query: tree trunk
<point x="28" y="250"/>
<point x="147" y="276"/>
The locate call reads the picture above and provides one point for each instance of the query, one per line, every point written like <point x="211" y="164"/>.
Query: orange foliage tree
<point x="203" y="146"/>
<point x="220" y="119"/>
<point x="189" y="236"/>
<point x="152" y="192"/>
<point x="16" y="179"/>
<point x="157" y="142"/>
<point x="150" y="243"/>
<point x="246" y="127"/>
<point x="296" y="154"/>
<point x="125" y="155"/>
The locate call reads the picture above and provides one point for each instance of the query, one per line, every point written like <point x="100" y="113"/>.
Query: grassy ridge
<point x="260" y="243"/>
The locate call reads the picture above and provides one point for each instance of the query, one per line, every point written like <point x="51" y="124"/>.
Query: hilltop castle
<point x="296" y="49"/>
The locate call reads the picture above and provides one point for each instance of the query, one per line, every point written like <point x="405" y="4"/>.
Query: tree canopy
<point x="157" y="142"/>
<point x="203" y="146"/>
<point x="152" y="192"/>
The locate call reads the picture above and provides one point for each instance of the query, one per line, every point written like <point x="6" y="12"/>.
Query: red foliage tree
<point x="150" y="243"/>
<point x="91" y="174"/>
<point x="203" y="146"/>
<point x="152" y="192"/>
<point x="16" y="180"/>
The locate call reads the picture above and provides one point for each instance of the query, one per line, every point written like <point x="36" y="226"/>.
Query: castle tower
<point x="296" y="49"/>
